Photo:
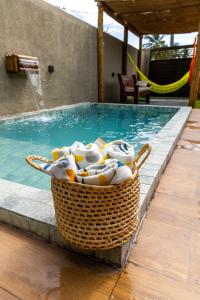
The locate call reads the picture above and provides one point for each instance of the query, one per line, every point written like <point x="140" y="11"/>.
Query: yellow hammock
<point x="161" y="89"/>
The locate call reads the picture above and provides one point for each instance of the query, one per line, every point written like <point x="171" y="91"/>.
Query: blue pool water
<point x="41" y="133"/>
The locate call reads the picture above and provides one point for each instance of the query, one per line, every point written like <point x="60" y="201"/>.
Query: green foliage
<point x="184" y="53"/>
<point x="159" y="55"/>
<point x="154" y="41"/>
<point x="197" y="103"/>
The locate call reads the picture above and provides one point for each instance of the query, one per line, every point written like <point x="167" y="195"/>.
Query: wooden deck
<point x="165" y="263"/>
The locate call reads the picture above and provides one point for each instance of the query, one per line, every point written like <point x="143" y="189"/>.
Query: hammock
<point x="192" y="64"/>
<point x="161" y="89"/>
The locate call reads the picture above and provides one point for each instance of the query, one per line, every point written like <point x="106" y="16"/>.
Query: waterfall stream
<point x="32" y="70"/>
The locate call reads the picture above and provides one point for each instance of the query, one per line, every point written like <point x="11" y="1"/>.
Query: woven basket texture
<point x="96" y="217"/>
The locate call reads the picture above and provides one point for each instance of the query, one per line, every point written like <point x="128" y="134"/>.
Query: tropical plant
<point x="185" y="53"/>
<point x="180" y="53"/>
<point x="159" y="55"/>
<point x="154" y="41"/>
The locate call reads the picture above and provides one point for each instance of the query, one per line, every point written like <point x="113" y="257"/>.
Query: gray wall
<point x="35" y="28"/>
<point x="113" y="66"/>
<point x="134" y="54"/>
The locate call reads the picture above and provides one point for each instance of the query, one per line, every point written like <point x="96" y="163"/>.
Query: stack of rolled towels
<point x="98" y="163"/>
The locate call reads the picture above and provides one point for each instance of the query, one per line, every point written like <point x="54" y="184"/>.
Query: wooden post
<point x="139" y="54"/>
<point x="124" y="51"/>
<point x="195" y="85"/>
<point x="101" y="88"/>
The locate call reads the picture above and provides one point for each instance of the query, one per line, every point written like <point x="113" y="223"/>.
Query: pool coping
<point x="31" y="209"/>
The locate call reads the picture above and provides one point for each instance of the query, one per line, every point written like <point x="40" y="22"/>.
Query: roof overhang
<point x="155" y="16"/>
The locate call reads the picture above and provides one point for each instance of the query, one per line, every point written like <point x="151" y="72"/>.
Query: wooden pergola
<point x="143" y="17"/>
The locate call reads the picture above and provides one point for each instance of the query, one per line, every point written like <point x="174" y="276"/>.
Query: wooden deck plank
<point x="194" y="267"/>
<point x="165" y="263"/>
<point x="176" y="211"/>
<point x="5" y="295"/>
<point x="31" y="269"/>
<point x="138" y="283"/>
<point x="191" y="135"/>
<point x="174" y="186"/>
<point x="181" y="178"/>
<point x="195" y="116"/>
<point x="186" y="158"/>
<point x="163" y="248"/>
<point x="177" y="170"/>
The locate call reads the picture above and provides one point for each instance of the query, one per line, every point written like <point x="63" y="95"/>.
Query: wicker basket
<point x="96" y="217"/>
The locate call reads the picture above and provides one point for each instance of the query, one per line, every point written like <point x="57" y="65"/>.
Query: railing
<point x="175" y="52"/>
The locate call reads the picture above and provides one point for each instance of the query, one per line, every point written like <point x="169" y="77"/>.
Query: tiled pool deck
<point x="32" y="209"/>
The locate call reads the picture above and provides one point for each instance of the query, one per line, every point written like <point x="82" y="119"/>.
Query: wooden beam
<point x="134" y="10"/>
<point x="101" y="67"/>
<point x="139" y="54"/>
<point x="194" y="88"/>
<point x="160" y="17"/>
<point x="119" y="19"/>
<point x="124" y="51"/>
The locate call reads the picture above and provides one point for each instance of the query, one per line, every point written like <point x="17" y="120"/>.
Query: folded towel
<point x="64" y="168"/>
<point x="103" y="148"/>
<point x="121" y="151"/>
<point x="86" y="155"/>
<point x="96" y="164"/>
<point x="108" y="172"/>
<point x="64" y="151"/>
<point x="60" y="152"/>
<point x="122" y="174"/>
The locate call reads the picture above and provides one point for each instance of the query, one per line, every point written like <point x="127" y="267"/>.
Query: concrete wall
<point x="134" y="54"/>
<point x="113" y="66"/>
<point x="35" y="28"/>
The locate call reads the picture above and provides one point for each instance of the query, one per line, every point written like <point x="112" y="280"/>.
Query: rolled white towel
<point x="64" y="151"/>
<point x="121" y="151"/>
<point x="103" y="148"/>
<point x="98" y="174"/>
<point x="64" y="168"/>
<point x="104" y="173"/>
<point x="86" y="155"/>
<point x="123" y="173"/>
<point x="60" y="152"/>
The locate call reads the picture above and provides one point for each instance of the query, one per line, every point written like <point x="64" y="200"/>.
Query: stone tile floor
<point x="164" y="101"/>
<point x="169" y="101"/>
<point x="164" y="264"/>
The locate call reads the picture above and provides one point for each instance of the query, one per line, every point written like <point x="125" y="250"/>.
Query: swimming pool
<point x="39" y="134"/>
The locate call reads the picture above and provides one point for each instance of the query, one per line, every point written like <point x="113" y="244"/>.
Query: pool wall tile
<point x="28" y="115"/>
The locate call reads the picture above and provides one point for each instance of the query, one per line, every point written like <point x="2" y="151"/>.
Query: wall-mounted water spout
<point x="28" y="65"/>
<point x="20" y="64"/>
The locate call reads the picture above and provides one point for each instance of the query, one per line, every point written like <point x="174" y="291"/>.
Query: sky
<point x="87" y="11"/>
